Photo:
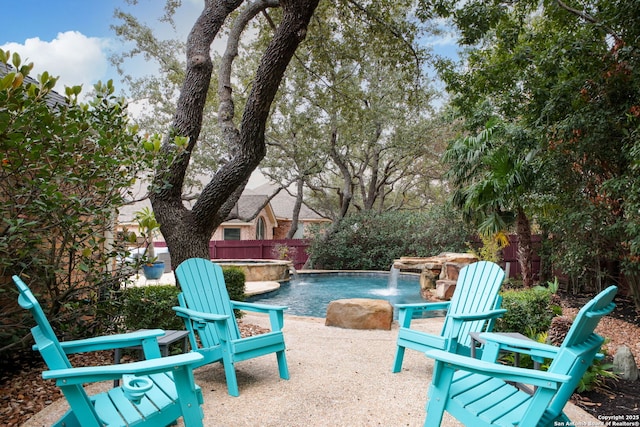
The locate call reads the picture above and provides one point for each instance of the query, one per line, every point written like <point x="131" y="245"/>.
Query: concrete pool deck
<point x="339" y="377"/>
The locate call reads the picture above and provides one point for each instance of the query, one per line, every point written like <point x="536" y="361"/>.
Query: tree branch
<point x="226" y="110"/>
<point x="589" y="18"/>
<point x="252" y="148"/>
<point x="391" y="29"/>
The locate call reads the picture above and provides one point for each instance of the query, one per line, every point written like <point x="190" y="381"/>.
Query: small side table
<point x="164" y="342"/>
<point x="476" y="340"/>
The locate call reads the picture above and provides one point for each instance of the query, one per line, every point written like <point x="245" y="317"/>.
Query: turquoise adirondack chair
<point x="481" y="393"/>
<point x="208" y="313"/>
<point x="474" y="307"/>
<point x="154" y="392"/>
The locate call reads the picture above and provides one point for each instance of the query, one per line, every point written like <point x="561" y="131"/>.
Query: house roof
<point x="53" y="98"/>
<point x="249" y="204"/>
<point x="283" y="204"/>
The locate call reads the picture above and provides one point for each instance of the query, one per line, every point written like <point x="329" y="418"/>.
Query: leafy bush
<point x="150" y="307"/>
<point x="234" y="278"/>
<point x="529" y="311"/>
<point x="371" y="241"/>
<point x="66" y="167"/>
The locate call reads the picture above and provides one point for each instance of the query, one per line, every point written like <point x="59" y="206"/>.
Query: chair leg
<point x="397" y="362"/>
<point x="435" y="413"/>
<point x="438" y="394"/>
<point x="188" y="398"/>
<point x="282" y="365"/>
<point x="230" y="375"/>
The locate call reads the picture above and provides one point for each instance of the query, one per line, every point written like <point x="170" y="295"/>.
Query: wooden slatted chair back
<point x="209" y="315"/>
<point x="476" y="292"/>
<point x="48" y="345"/>
<point x="207" y="292"/>
<point x="581" y="345"/>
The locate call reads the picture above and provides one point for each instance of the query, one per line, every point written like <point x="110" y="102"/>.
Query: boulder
<point x="445" y="289"/>
<point x="428" y="279"/>
<point x="460" y="258"/>
<point x="360" y="313"/>
<point x="624" y="364"/>
<point x="451" y="270"/>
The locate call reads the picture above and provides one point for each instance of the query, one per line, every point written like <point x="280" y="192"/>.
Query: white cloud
<point x="445" y="39"/>
<point x="76" y="58"/>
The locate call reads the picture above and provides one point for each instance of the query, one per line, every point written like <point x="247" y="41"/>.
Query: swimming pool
<point x="310" y="293"/>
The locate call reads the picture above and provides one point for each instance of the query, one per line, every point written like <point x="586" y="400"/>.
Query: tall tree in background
<point x="377" y="89"/>
<point x="492" y="182"/>
<point x="354" y="105"/>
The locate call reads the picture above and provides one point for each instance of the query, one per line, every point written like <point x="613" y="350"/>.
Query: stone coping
<point x="251" y="288"/>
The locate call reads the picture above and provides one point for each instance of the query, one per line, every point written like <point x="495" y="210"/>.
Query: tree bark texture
<point x="296" y="208"/>
<point x="525" y="251"/>
<point x="187" y="232"/>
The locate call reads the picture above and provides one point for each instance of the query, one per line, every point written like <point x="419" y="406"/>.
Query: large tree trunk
<point x="525" y="251"/>
<point x="188" y="232"/>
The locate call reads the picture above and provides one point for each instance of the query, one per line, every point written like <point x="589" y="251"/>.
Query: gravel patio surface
<point x="339" y="377"/>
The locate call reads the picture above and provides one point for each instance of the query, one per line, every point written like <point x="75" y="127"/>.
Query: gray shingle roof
<point x="249" y="204"/>
<point x="53" y="98"/>
<point x="283" y="203"/>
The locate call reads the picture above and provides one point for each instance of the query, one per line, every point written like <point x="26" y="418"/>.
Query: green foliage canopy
<point x="568" y="74"/>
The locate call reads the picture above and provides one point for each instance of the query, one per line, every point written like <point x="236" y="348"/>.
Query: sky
<point x="73" y="39"/>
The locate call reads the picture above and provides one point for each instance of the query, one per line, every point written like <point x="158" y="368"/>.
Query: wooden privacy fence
<point x="510" y="257"/>
<point x="294" y="250"/>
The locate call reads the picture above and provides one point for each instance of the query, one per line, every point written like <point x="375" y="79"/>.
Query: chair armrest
<point x="92" y="374"/>
<point x="469" y="317"/>
<point x="530" y="347"/>
<point x="405" y="311"/>
<point x="534" y="377"/>
<point x="276" y="312"/>
<point x="108" y="342"/>
<point x="200" y="316"/>
<point x="258" y="308"/>
<point x="424" y="306"/>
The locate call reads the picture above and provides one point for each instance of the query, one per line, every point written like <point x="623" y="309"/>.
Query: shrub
<point x="150" y="307"/>
<point x="371" y="241"/>
<point x="66" y="167"/>
<point x="234" y="278"/>
<point x="529" y="311"/>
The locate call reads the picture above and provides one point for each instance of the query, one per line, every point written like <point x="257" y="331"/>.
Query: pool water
<point x="310" y="294"/>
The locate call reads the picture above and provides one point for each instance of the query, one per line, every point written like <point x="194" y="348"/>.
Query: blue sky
<point x="45" y="19"/>
<point x="73" y="39"/>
